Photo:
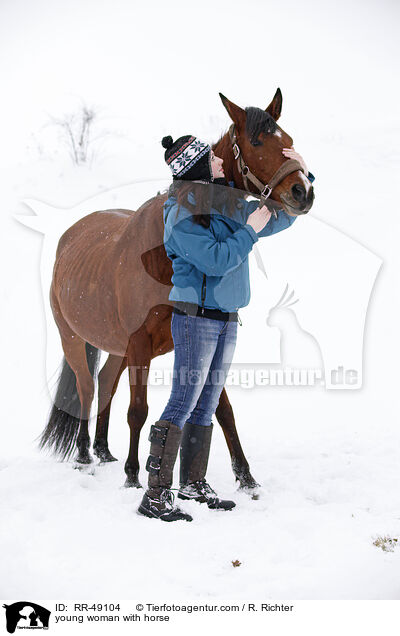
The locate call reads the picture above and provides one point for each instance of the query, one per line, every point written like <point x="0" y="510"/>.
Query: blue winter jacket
<point x="210" y="265"/>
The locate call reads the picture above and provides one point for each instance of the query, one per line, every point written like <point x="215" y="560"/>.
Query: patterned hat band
<point x="187" y="156"/>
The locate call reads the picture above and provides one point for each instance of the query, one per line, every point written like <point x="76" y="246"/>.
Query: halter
<point x="289" y="166"/>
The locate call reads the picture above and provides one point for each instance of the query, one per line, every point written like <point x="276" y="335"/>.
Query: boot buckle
<point x="158" y="434"/>
<point x="153" y="464"/>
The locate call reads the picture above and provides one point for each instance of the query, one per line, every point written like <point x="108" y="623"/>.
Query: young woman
<point x="208" y="235"/>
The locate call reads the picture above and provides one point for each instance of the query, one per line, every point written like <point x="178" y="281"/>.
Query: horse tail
<point x="62" y="427"/>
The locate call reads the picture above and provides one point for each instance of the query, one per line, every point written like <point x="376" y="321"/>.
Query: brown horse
<point x="110" y="287"/>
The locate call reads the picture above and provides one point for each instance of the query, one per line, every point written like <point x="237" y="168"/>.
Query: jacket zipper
<point x="203" y="295"/>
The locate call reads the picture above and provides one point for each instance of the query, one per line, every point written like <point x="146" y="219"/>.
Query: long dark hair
<point x="207" y="195"/>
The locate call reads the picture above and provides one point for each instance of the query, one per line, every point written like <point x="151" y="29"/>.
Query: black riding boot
<point x="195" y="449"/>
<point x="158" y="500"/>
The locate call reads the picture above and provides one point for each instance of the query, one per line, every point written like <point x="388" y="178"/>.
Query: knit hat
<point x="188" y="157"/>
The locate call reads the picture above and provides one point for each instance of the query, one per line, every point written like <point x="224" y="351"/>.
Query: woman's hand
<point x="259" y="218"/>
<point x="290" y="153"/>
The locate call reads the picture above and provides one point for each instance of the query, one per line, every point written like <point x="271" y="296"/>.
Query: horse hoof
<point x="107" y="459"/>
<point x="131" y="482"/>
<point x="253" y="493"/>
<point x="251" y="488"/>
<point x="84" y="460"/>
<point x="104" y="455"/>
<point x="87" y="469"/>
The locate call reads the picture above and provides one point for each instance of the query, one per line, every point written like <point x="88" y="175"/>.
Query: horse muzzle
<point x="299" y="201"/>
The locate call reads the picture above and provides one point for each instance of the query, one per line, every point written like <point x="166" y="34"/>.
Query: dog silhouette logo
<point x="26" y="615"/>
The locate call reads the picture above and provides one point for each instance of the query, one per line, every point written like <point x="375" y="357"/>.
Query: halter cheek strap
<point x="288" y="167"/>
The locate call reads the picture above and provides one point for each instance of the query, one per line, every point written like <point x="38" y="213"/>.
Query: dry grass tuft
<point x="387" y="544"/>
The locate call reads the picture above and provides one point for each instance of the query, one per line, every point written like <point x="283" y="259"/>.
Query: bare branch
<point x="78" y="131"/>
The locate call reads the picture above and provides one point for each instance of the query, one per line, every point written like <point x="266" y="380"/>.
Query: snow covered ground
<point x="328" y="461"/>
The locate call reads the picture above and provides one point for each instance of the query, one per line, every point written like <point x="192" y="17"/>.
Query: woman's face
<point x="216" y="166"/>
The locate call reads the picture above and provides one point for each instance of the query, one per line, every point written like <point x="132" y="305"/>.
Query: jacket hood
<point x="171" y="205"/>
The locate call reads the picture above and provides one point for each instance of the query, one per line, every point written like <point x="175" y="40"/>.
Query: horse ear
<point x="237" y="114"/>
<point x="275" y="107"/>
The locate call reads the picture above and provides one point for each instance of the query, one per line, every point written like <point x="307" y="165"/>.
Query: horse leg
<point x="139" y="357"/>
<point x="68" y="422"/>
<point x="240" y="465"/>
<point x="108" y="379"/>
<point x="75" y="354"/>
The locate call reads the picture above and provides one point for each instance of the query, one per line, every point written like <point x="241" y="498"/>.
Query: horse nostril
<point x="299" y="193"/>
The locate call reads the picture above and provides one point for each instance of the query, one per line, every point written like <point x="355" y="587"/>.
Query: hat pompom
<point x="167" y="142"/>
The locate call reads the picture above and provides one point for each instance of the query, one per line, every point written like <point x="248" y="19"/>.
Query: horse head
<point x="259" y="141"/>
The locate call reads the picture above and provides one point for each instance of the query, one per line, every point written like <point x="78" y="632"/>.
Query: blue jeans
<point x="204" y="349"/>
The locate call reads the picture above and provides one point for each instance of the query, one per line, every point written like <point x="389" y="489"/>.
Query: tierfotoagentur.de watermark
<point x="242" y="377"/>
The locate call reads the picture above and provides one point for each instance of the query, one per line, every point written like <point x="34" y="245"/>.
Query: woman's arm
<point x="197" y="245"/>
<point x="274" y="225"/>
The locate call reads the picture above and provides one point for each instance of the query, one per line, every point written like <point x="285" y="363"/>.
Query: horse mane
<point x="258" y="121"/>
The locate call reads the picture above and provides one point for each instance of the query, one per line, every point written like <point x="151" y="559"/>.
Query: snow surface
<point x="328" y="461"/>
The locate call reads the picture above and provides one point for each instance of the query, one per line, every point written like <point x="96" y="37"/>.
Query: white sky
<point x="161" y="65"/>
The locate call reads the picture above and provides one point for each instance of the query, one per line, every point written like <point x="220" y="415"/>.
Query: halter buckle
<point x="266" y="192"/>
<point x="245" y="168"/>
<point x="236" y="150"/>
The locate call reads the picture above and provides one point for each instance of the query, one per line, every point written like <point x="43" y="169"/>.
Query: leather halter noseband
<point x="289" y="166"/>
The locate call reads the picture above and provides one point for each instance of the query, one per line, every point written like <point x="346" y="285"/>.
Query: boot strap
<point x="153" y="464"/>
<point x="158" y="434"/>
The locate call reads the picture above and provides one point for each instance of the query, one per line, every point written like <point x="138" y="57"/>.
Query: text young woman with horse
<point x="111" y="291"/>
